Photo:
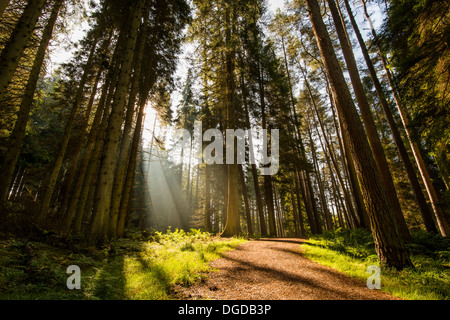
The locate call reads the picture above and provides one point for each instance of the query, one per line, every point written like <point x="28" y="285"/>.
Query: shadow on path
<point x="275" y="269"/>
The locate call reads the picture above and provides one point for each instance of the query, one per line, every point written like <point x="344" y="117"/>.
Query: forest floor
<point x="196" y="265"/>
<point x="276" y="269"/>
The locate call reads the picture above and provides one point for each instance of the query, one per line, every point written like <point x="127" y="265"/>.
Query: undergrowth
<point x="138" y="266"/>
<point x="352" y="251"/>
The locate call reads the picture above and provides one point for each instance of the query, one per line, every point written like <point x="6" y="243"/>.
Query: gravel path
<point x="275" y="269"/>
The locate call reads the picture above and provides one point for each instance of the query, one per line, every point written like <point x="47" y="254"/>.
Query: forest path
<point x="276" y="269"/>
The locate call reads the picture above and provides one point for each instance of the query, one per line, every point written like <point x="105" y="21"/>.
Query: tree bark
<point x="131" y="170"/>
<point x="246" y="203"/>
<point x="67" y="215"/>
<point x="259" y="204"/>
<point x="268" y="194"/>
<point x="18" y="133"/>
<point x="125" y="147"/>
<point x="299" y="208"/>
<point x="207" y="199"/>
<point x="369" y="123"/>
<point x="18" y="41"/>
<point x="389" y="245"/>
<point x="50" y="187"/>
<point x="433" y="196"/>
<point x="232" y="226"/>
<point x="420" y="198"/>
<point x="101" y="210"/>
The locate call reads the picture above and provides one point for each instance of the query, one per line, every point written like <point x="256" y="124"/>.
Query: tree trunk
<point x="128" y="183"/>
<point x="18" y="133"/>
<point x="259" y="204"/>
<point x="369" y="123"/>
<point x="101" y="210"/>
<point x="422" y="166"/>
<point x="326" y="212"/>
<point x="207" y="199"/>
<point x="348" y="162"/>
<point x="307" y="201"/>
<point x="50" y="187"/>
<point x="420" y="198"/>
<point x="246" y="203"/>
<point x="299" y="208"/>
<point x="124" y="154"/>
<point x="389" y="245"/>
<point x="268" y="194"/>
<point x="232" y="226"/>
<point x="18" y="41"/>
<point x="65" y="213"/>
<point x="89" y="165"/>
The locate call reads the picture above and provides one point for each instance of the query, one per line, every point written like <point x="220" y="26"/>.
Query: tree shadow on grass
<point x="159" y="275"/>
<point x="111" y="281"/>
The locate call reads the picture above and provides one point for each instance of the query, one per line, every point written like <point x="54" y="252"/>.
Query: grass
<point x="135" y="267"/>
<point x="352" y="251"/>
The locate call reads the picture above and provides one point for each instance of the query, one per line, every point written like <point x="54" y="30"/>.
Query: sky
<point x="274" y="4"/>
<point x="80" y="25"/>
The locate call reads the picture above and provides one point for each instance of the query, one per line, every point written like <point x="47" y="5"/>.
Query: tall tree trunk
<point x="299" y="208"/>
<point x="18" y="41"/>
<point x="307" y="201"/>
<point x="348" y="162"/>
<point x="207" y="198"/>
<point x="420" y="198"/>
<point x="433" y="196"/>
<point x="246" y="203"/>
<point x="50" y="186"/>
<point x="329" y="146"/>
<point x="259" y="204"/>
<point x="369" y="123"/>
<point x="67" y="215"/>
<point x="101" y="210"/>
<point x="18" y="133"/>
<point x="295" y="212"/>
<point x="268" y="194"/>
<point x="389" y="245"/>
<point x="326" y="212"/>
<point x="232" y="226"/>
<point x="93" y="147"/>
<point x="278" y="216"/>
<point x="132" y="162"/>
<point x="124" y="154"/>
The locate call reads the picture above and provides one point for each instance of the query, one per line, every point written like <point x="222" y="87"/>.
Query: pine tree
<point x="18" y="134"/>
<point x="11" y="54"/>
<point x="390" y="247"/>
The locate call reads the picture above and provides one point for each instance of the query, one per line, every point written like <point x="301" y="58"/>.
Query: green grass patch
<point x="352" y="251"/>
<point x="135" y="267"/>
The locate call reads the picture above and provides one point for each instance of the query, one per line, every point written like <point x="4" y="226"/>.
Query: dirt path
<point x="275" y="269"/>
